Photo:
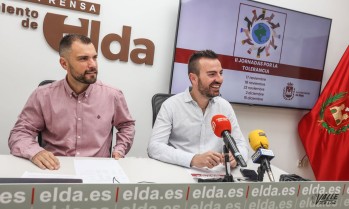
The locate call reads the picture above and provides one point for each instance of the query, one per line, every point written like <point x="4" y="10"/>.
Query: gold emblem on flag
<point x="338" y="114"/>
<point x="334" y="113"/>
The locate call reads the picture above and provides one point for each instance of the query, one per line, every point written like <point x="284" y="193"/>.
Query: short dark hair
<point x="67" y="41"/>
<point x="194" y="58"/>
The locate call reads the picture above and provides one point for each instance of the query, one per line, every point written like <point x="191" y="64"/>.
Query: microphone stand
<point x="228" y="177"/>
<point x="261" y="171"/>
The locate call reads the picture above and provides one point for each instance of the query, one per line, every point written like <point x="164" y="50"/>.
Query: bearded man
<point x="182" y="132"/>
<point x="75" y="115"/>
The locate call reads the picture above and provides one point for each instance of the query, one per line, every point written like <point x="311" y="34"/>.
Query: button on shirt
<point x="181" y="130"/>
<point x="71" y="124"/>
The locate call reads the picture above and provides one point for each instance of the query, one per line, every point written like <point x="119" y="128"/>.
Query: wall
<point x="26" y="59"/>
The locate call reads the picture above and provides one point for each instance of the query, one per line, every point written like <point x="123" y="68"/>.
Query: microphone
<point x="222" y="128"/>
<point x="259" y="143"/>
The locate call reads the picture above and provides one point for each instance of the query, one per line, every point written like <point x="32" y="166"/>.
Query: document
<point x="207" y="173"/>
<point x="90" y="171"/>
<point x="100" y="171"/>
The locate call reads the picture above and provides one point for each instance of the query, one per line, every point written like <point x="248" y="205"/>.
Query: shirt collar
<point x="189" y="98"/>
<point x="187" y="95"/>
<point x="71" y="93"/>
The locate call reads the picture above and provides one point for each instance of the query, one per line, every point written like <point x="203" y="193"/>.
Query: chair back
<point x="44" y="82"/>
<point x="156" y="103"/>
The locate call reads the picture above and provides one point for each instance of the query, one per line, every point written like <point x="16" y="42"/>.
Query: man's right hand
<point x="45" y="159"/>
<point x="208" y="159"/>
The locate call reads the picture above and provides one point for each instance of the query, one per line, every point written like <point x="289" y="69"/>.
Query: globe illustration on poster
<point x="260" y="33"/>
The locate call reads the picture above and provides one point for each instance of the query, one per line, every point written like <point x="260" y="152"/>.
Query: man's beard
<point x="205" y="91"/>
<point x="82" y="77"/>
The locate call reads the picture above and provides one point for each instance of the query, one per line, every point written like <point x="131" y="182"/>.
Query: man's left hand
<point x="232" y="160"/>
<point x="116" y="155"/>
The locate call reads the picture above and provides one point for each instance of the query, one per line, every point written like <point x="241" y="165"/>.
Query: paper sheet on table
<point x="100" y="171"/>
<point x="206" y="173"/>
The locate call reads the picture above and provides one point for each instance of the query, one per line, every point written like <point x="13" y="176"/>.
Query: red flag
<point x="324" y="131"/>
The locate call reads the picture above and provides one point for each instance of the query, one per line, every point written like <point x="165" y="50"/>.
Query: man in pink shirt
<point x="75" y="115"/>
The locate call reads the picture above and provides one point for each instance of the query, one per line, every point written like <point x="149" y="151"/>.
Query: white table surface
<point x="137" y="169"/>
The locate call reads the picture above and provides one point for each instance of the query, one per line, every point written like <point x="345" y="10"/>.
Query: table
<point x="137" y="169"/>
<point x="172" y="187"/>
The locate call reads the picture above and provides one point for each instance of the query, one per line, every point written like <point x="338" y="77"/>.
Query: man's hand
<point x="232" y="160"/>
<point x="208" y="159"/>
<point x="116" y="155"/>
<point x="45" y="159"/>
